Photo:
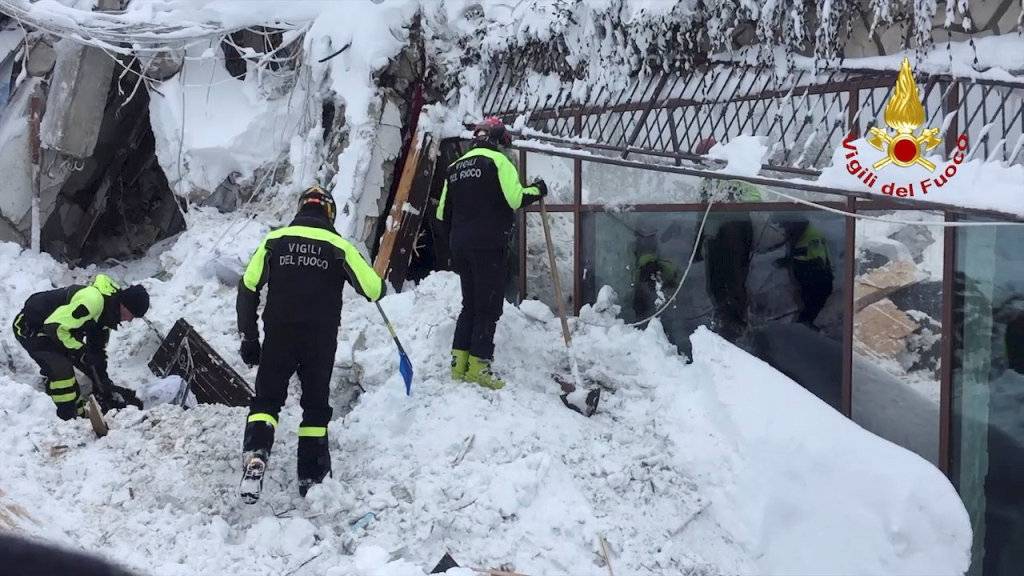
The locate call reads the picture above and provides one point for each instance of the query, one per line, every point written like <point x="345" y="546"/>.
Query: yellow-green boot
<point x="479" y="371"/>
<point x="460" y="361"/>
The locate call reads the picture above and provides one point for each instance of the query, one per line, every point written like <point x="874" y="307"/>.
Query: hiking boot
<point x="254" y="465"/>
<point x="313" y="463"/>
<point x="479" y="371"/>
<point x="460" y="361"/>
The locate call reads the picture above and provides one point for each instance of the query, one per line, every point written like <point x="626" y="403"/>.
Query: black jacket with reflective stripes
<point x="480" y="196"/>
<point x="305" y="266"/>
<point x="77" y="317"/>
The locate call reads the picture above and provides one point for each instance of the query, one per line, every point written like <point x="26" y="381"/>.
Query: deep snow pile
<point x="719" y="467"/>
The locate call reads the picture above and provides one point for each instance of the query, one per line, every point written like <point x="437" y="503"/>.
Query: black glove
<point x="250" y="352"/>
<point x="122" y="397"/>
<point x="541" y="186"/>
<point x="91" y="358"/>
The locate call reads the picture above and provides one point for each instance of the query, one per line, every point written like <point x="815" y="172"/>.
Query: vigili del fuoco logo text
<point x="904" y="115"/>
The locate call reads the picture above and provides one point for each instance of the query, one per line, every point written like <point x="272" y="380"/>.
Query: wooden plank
<point x="413" y="213"/>
<point x="394" y="221"/>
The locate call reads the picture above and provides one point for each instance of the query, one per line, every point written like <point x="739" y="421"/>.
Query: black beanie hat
<point x="135" y="299"/>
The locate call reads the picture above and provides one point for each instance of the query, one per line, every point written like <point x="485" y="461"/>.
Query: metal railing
<point x="803" y="115"/>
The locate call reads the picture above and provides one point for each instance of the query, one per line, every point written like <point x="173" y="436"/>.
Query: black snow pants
<point x="55" y="364"/>
<point x="727" y="258"/>
<point x="287" y="349"/>
<point x="482" y="275"/>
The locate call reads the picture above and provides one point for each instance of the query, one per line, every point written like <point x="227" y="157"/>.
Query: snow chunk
<point x="743" y="155"/>
<point x="282" y="537"/>
<point x="536" y="309"/>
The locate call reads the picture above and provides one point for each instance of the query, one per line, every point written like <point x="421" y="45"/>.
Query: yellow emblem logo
<point x="904" y="114"/>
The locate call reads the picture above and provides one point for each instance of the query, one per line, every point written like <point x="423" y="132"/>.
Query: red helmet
<point x="492" y="130"/>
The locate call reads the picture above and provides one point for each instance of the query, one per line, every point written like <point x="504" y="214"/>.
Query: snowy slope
<point x="720" y="467"/>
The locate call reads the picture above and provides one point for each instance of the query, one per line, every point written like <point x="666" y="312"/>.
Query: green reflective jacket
<point x="74" y="314"/>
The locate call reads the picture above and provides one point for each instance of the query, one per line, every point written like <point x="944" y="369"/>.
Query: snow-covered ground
<point x="723" y="466"/>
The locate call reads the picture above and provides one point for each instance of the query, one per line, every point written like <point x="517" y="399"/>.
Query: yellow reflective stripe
<point x="371" y="284"/>
<point x="313" y="431"/>
<point x="254" y="272"/>
<point x="263" y="417"/>
<point x="61" y="398"/>
<point x="61" y="384"/>
<point x="508" y="176"/>
<point x="63" y="316"/>
<point x="17" y="324"/>
<point x="439" y="214"/>
<point x="105" y="284"/>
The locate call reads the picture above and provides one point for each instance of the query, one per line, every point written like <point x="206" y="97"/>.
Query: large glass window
<point x="897" y="329"/>
<point x="556" y="173"/>
<point x="764" y="280"/>
<point x="539" y="282"/>
<point x="987" y="433"/>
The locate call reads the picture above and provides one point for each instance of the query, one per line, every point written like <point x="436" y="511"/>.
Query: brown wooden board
<point x="185" y="353"/>
<point x="99" y="425"/>
<point x="407" y="211"/>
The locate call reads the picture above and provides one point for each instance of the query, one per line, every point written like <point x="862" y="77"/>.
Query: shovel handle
<point x="554" y="273"/>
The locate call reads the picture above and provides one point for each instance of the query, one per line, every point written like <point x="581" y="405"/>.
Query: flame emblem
<point x="904" y="114"/>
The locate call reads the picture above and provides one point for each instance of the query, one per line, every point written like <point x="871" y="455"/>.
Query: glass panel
<point x="642" y="256"/>
<point x="764" y="280"/>
<point x="614" y="185"/>
<point x="557" y="174"/>
<point x="897" y="328"/>
<point x="539" y="285"/>
<point x="987" y="433"/>
<point x="619" y="185"/>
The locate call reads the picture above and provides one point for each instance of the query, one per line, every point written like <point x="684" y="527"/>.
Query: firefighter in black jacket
<point x="69" y="327"/>
<point x="480" y="196"/>
<point x="305" y="266"/>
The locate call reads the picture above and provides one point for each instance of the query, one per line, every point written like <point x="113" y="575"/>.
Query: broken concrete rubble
<point x="41" y="57"/>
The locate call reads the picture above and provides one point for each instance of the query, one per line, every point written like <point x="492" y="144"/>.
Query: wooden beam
<point x="408" y="209"/>
<point x="394" y="220"/>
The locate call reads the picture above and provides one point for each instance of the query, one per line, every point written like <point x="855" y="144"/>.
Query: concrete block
<point x="41" y="59"/>
<point x="77" y="99"/>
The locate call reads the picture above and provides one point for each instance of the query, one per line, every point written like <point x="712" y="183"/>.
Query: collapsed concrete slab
<point x="77" y="99"/>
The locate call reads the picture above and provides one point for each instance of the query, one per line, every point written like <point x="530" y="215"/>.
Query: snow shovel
<point x="404" y="364"/>
<point x="593" y="397"/>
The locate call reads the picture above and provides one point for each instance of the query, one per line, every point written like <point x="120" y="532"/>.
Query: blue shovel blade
<point x="405" y="368"/>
